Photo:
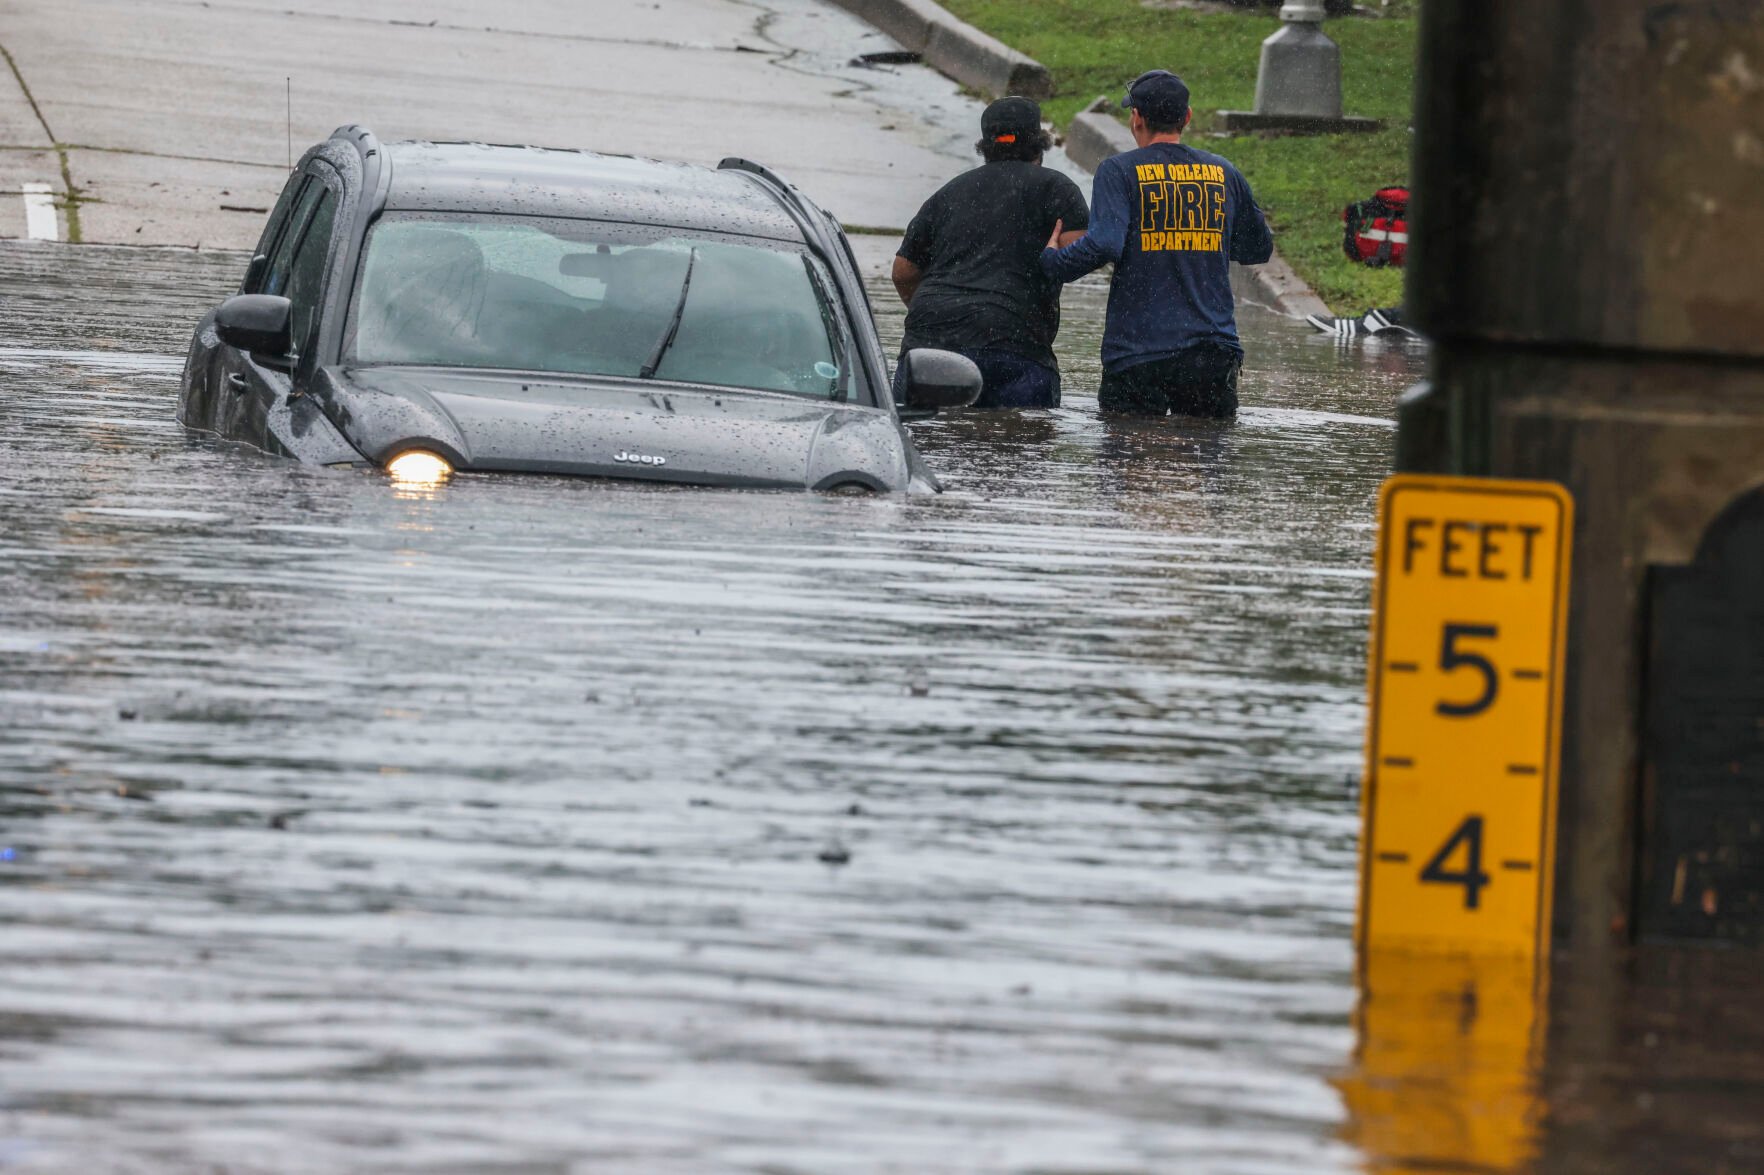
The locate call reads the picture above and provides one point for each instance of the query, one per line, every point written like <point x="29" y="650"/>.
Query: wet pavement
<point x="498" y="827"/>
<point x="173" y="121"/>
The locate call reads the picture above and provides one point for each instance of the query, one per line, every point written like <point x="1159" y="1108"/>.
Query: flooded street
<point x="496" y="828"/>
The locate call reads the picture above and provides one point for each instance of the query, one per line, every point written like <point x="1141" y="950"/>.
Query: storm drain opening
<point x="886" y="57"/>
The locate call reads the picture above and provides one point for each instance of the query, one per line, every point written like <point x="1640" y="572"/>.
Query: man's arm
<point x="907" y="277"/>
<point x="1251" y="242"/>
<point x="1107" y="237"/>
<point x="1071" y="212"/>
<point x="916" y="250"/>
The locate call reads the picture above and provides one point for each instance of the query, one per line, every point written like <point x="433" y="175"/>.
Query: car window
<point x="274" y="228"/>
<point x="590" y="298"/>
<point x="275" y="274"/>
<point x="306" y="274"/>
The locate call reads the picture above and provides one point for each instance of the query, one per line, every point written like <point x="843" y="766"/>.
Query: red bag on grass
<point x="1378" y="229"/>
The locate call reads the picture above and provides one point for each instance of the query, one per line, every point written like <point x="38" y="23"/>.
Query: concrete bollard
<point x="1298" y="86"/>
<point x="1301" y="67"/>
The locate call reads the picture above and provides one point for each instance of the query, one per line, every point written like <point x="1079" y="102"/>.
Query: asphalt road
<point x="169" y="120"/>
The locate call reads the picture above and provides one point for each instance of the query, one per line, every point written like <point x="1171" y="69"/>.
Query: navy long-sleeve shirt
<point x="1172" y="219"/>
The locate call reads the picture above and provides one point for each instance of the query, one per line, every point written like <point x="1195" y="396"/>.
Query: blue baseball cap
<point x="1159" y="95"/>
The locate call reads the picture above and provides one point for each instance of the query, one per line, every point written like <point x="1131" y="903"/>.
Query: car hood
<point x="615" y="428"/>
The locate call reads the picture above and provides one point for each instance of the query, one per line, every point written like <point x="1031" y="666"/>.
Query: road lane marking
<point x="41" y="223"/>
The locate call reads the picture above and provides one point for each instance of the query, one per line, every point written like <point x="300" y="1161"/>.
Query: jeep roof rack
<point x="362" y="139"/>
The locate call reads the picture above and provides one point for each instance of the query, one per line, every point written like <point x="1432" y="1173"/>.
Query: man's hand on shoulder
<point x="1060" y="238"/>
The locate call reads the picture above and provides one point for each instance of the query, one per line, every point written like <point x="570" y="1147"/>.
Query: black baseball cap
<point x="1009" y="119"/>
<point x="1159" y="95"/>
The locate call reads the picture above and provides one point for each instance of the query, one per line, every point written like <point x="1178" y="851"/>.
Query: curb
<point x="959" y="50"/>
<point x="1277" y="286"/>
<point x="1094" y="136"/>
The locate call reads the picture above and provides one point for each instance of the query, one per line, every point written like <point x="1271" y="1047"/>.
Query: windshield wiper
<point x="667" y="340"/>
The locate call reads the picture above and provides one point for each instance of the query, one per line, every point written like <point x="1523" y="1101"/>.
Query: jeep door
<point x="209" y="362"/>
<point x="296" y="268"/>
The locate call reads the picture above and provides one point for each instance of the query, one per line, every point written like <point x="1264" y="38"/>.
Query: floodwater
<point x="488" y="829"/>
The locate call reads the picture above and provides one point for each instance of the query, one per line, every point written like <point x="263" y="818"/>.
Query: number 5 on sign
<point x="1469" y="626"/>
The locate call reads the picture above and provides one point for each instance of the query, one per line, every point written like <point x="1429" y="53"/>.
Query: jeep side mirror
<point x="258" y="323"/>
<point x="939" y="379"/>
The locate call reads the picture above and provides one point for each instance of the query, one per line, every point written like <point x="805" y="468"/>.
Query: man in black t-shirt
<point x="969" y="269"/>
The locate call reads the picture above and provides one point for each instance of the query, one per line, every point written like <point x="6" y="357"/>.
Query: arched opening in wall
<point x="1701" y="857"/>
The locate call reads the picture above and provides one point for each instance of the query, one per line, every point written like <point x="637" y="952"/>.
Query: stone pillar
<point x="1587" y="251"/>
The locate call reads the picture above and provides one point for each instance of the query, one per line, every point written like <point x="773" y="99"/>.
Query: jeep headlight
<point x="419" y="467"/>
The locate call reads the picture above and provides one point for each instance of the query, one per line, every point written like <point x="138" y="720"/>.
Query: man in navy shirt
<point x="1172" y="219"/>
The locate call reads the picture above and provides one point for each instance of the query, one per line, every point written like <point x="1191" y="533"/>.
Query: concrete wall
<point x="1588" y="250"/>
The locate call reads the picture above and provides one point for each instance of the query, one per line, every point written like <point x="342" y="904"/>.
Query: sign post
<point x="1468" y="639"/>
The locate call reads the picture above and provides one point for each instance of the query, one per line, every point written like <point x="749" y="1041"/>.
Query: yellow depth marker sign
<point x="1468" y="630"/>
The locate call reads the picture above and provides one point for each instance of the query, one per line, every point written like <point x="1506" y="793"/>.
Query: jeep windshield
<point x="593" y="298"/>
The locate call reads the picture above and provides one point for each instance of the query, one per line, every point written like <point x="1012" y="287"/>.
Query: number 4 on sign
<point x="1440" y="870"/>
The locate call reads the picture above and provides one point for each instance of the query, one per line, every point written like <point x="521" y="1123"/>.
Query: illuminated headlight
<point x="419" y="467"/>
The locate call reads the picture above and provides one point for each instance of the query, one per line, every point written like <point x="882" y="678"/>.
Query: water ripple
<point x="480" y="829"/>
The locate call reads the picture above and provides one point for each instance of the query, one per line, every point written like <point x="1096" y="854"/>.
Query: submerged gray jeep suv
<point x="431" y="307"/>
